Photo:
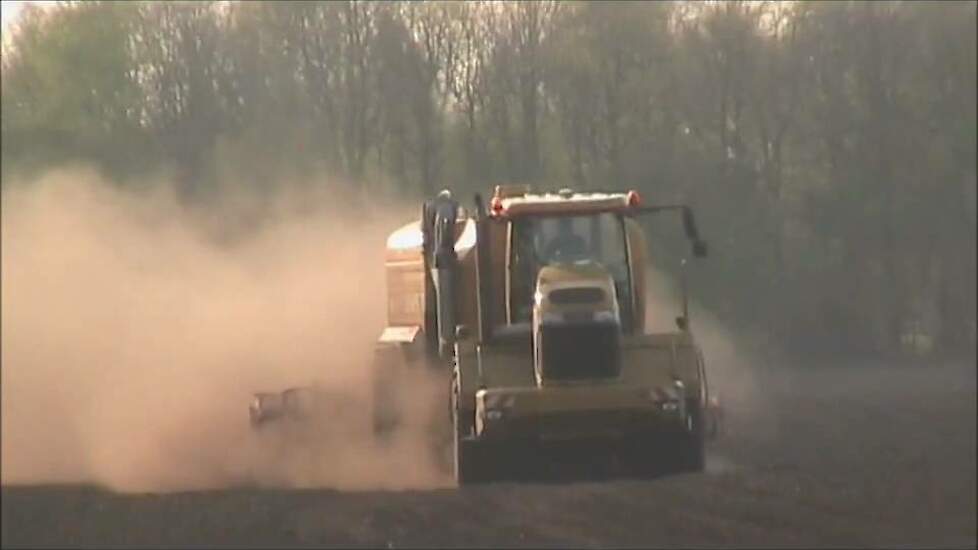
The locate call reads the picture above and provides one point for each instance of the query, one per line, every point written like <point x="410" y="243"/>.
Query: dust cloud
<point x="135" y="331"/>
<point x="737" y="367"/>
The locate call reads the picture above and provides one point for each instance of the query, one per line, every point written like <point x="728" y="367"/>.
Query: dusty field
<point x="838" y="456"/>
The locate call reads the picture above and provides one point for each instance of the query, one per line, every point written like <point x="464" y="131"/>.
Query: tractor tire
<point x="690" y="446"/>
<point x="386" y="407"/>
<point x="470" y="463"/>
<point x="654" y="455"/>
<point x="643" y="458"/>
<point x="471" y="466"/>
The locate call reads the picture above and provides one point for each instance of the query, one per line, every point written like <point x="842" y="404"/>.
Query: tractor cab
<point x="566" y="231"/>
<point x="586" y="239"/>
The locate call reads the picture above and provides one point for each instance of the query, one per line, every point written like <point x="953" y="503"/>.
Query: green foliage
<point x="828" y="147"/>
<point x="68" y="91"/>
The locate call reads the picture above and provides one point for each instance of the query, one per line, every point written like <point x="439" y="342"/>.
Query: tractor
<point x="532" y="307"/>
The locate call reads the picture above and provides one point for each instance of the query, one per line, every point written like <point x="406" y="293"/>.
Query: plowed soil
<point x="850" y="455"/>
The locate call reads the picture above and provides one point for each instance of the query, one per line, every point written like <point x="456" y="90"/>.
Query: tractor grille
<point x="580" y="351"/>
<point x="590" y="423"/>
<point x="579" y="295"/>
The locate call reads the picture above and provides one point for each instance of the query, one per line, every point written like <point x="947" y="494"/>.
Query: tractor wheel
<point x="386" y="410"/>
<point x="690" y="449"/>
<point x="654" y="455"/>
<point x="469" y="465"/>
<point x="643" y="457"/>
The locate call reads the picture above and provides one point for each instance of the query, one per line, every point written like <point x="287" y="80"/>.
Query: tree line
<point x="827" y="147"/>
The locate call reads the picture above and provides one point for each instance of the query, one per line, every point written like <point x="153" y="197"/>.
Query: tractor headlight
<point x="663" y="395"/>
<point x="667" y="398"/>
<point x="496" y="406"/>
<point x="605" y="317"/>
<point x="499" y="401"/>
<point x="551" y="318"/>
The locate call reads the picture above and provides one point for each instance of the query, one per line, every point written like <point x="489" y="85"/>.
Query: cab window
<point x="539" y="241"/>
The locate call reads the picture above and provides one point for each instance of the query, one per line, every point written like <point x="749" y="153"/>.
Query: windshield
<point x="540" y="241"/>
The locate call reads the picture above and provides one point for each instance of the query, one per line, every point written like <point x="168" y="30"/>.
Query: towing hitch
<point x="290" y="404"/>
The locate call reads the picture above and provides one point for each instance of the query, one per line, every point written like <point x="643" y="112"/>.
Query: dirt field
<point x="837" y="456"/>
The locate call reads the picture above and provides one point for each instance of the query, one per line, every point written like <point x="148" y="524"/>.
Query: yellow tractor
<point x="533" y="307"/>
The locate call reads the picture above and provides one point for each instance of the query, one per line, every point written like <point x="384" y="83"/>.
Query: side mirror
<point x="689" y="224"/>
<point x="682" y="323"/>
<point x="699" y="248"/>
<point x="479" y="205"/>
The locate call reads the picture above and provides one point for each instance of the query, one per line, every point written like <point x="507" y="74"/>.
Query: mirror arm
<point x="480" y="208"/>
<point x="682" y="271"/>
<point x="689" y="223"/>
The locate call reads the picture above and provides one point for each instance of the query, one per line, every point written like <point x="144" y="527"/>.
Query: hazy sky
<point x="11" y="9"/>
